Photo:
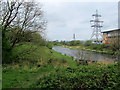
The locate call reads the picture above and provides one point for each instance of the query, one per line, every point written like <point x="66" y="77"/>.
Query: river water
<point x="83" y="55"/>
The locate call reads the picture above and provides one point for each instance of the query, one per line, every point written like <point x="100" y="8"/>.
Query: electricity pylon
<point x="73" y="36"/>
<point x="96" y="25"/>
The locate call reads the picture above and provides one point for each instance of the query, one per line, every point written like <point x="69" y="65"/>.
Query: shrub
<point x="81" y="77"/>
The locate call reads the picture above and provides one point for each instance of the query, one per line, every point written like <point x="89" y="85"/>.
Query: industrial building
<point x="111" y="36"/>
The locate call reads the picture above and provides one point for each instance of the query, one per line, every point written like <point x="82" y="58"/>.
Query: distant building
<point x="111" y="36"/>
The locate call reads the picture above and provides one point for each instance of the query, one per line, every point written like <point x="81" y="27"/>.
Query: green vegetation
<point x="58" y="71"/>
<point x="36" y="65"/>
<point x="45" y="68"/>
<point x="20" y="23"/>
<point x="81" y="77"/>
<point x="32" y="66"/>
<point x="68" y="43"/>
<point x="28" y="60"/>
<point x="89" y="46"/>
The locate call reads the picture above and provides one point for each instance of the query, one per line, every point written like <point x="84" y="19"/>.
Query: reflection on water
<point x="83" y="55"/>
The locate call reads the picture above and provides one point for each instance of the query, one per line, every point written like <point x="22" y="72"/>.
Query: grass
<point x="90" y="48"/>
<point x="36" y="62"/>
<point x="41" y="67"/>
<point x="62" y="59"/>
<point x="31" y="53"/>
<point x="22" y="77"/>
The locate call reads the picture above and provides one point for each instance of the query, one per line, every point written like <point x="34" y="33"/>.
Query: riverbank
<point x="110" y="52"/>
<point x="33" y="66"/>
<point x="46" y="68"/>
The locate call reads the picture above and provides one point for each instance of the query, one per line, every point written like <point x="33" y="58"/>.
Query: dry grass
<point x="105" y="62"/>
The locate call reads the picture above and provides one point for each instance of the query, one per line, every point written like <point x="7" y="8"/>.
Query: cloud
<point x="74" y="0"/>
<point x="67" y="18"/>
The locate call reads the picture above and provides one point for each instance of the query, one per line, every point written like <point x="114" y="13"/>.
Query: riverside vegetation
<point x="46" y="68"/>
<point x="111" y="49"/>
<point x="29" y="61"/>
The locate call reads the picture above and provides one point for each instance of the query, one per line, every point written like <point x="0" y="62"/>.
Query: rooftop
<point x="111" y="30"/>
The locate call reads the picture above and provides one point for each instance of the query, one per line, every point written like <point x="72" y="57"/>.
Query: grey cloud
<point x="66" y="18"/>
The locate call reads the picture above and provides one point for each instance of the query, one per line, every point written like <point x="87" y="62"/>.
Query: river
<point x="83" y="55"/>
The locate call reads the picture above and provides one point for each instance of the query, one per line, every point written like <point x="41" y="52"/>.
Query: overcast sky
<point x="68" y="18"/>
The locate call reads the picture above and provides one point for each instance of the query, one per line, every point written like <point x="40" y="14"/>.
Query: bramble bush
<point x="81" y="77"/>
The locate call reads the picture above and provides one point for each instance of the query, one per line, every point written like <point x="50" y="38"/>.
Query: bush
<point x="81" y="77"/>
<point x="12" y="41"/>
<point x="49" y="45"/>
<point x="98" y="46"/>
<point x="88" y="43"/>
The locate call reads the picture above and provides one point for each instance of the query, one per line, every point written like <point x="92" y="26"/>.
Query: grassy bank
<point x="104" y="51"/>
<point x="44" y="68"/>
<point x="36" y="62"/>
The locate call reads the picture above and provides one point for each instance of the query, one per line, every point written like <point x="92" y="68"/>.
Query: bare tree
<point x="19" y="20"/>
<point x="19" y="17"/>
